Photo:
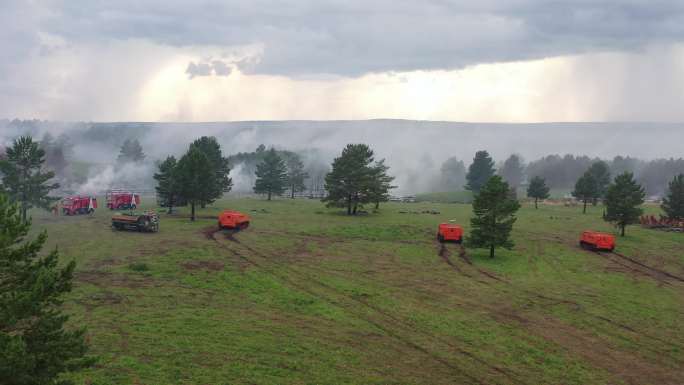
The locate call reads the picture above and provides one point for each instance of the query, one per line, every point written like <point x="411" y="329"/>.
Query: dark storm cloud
<point x="350" y="38"/>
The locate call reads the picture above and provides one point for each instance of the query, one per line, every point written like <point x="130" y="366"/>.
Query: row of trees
<point x="562" y="172"/>
<point x="495" y="205"/>
<point x="199" y="177"/>
<point x="275" y="175"/>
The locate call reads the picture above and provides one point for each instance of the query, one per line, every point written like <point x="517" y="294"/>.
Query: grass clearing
<point x="309" y="296"/>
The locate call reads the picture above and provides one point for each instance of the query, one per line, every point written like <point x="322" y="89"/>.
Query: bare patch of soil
<point x="210" y="232"/>
<point x="203" y="265"/>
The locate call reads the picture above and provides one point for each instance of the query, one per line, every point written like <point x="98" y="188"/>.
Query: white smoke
<point x="129" y="176"/>
<point x="243" y="181"/>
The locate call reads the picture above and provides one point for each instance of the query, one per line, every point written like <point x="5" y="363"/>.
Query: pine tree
<point x="167" y="184"/>
<point x="479" y="171"/>
<point x="55" y="158"/>
<point x="295" y="175"/>
<point x="194" y="174"/>
<point x="537" y="189"/>
<point x="220" y="182"/>
<point x="349" y="182"/>
<point x="623" y="200"/>
<point x="601" y="174"/>
<point x="493" y="216"/>
<point x="131" y="151"/>
<point x="381" y="184"/>
<point x="453" y="174"/>
<point x="513" y="171"/>
<point x="35" y="347"/>
<point x="23" y="177"/>
<point x="673" y="203"/>
<point x="271" y="175"/>
<point x="586" y="189"/>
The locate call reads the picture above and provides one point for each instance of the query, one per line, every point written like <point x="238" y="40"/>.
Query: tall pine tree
<point x="537" y="189"/>
<point x="35" y="346"/>
<point x="271" y="175"/>
<point x="295" y="175"/>
<point x="220" y="182"/>
<point x="167" y="184"/>
<point x="131" y="151"/>
<point x="479" y="171"/>
<point x="623" y="200"/>
<point x="673" y="202"/>
<point x="381" y="184"/>
<point x="194" y="174"/>
<point x="513" y="171"/>
<point x="586" y="189"/>
<point x="493" y="216"/>
<point x="601" y="173"/>
<point x="23" y="176"/>
<point x="453" y="174"/>
<point x="351" y="179"/>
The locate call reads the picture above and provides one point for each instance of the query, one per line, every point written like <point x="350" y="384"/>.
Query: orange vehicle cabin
<point x="233" y="220"/>
<point x="594" y="240"/>
<point x="449" y="232"/>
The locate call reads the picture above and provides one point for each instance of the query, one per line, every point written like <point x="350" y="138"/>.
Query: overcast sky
<point x="480" y="61"/>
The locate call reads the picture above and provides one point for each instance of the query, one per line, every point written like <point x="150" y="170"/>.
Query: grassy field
<point x="309" y="296"/>
<point x="446" y="197"/>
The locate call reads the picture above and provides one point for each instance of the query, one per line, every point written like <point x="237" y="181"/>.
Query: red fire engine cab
<point x="76" y="205"/>
<point x="122" y="200"/>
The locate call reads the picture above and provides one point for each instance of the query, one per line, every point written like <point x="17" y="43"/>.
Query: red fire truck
<point x="76" y="205"/>
<point x="122" y="200"/>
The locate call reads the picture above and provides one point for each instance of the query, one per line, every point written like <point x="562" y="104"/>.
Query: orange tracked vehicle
<point x="593" y="240"/>
<point x="233" y="220"/>
<point x="449" y="232"/>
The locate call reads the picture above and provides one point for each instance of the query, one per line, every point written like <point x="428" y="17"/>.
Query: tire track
<point x="575" y="306"/>
<point x="396" y="325"/>
<point x="647" y="267"/>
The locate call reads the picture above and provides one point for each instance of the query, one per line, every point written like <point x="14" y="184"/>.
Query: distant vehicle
<point x="146" y="222"/>
<point x="122" y="200"/>
<point x="594" y="240"/>
<point x="78" y="205"/>
<point x="449" y="232"/>
<point x="409" y="199"/>
<point x="233" y="220"/>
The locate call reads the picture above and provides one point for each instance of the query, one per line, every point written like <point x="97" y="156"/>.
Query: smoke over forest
<point x="422" y="155"/>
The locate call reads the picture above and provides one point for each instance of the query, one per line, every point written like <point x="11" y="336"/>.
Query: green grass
<point x="309" y="296"/>
<point x="446" y="197"/>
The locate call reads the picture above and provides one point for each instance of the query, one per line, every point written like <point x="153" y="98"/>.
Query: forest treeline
<point x="563" y="171"/>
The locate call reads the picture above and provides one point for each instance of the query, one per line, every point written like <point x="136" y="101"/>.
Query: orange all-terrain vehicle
<point x="593" y="240"/>
<point x="449" y="232"/>
<point x="233" y="220"/>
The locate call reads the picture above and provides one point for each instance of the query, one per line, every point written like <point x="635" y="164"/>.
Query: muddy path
<point x="212" y="232"/>
<point x="398" y="328"/>
<point x="406" y="332"/>
<point x="644" y="266"/>
<point x="543" y="301"/>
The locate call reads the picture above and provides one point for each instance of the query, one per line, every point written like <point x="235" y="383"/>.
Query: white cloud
<point x="522" y="60"/>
